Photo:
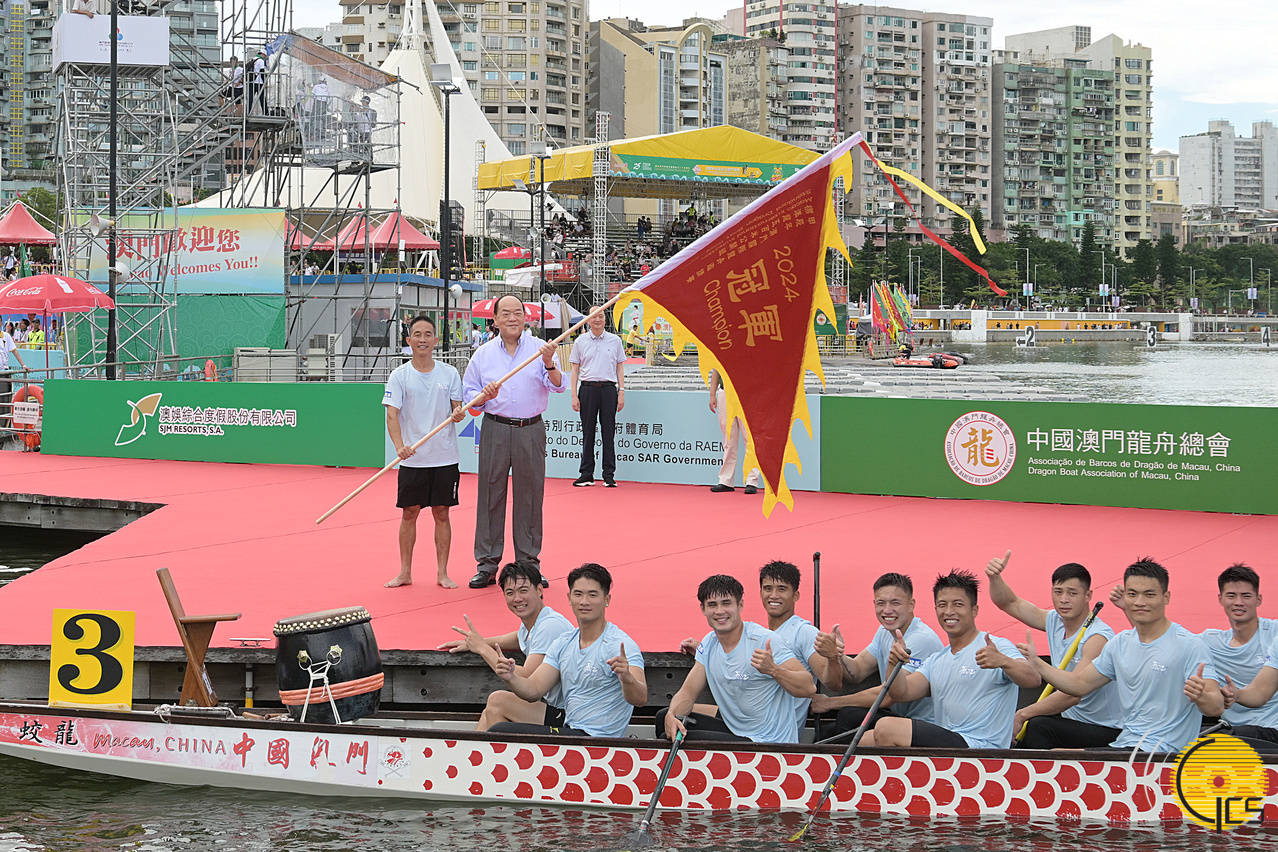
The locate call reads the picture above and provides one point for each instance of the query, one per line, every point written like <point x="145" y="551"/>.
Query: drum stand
<point x="319" y="674"/>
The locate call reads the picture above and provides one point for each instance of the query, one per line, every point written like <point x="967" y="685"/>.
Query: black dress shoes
<point x="483" y="579"/>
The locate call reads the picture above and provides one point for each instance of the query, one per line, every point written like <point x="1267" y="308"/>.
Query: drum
<point x="337" y="644"/>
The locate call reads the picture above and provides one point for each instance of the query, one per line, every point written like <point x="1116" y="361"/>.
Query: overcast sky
<point x="1211" y="60"/>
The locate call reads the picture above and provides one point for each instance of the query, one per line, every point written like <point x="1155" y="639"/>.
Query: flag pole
<point x="478" y="400"/>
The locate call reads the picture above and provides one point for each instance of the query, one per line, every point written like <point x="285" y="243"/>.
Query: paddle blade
<point x="641" y="839"/>
<point x="798" y="835"/>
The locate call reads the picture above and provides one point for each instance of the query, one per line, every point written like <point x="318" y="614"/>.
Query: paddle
<point x="847" y="755"/>
<point x="643" y="837"/>
<point x="816" y="590"/>
<point x="1069" y="656"/>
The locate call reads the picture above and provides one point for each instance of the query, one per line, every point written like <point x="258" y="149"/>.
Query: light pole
<point x="112" y="267"/>
<point x="1101" y="252"/>
<point x="886" y="209"/>
<point x="1269" y="289"/>
<point x="1191" y="287"/>
<point x="538" y="149"/>
<point x="909" y="261"/>
<point x="1251" y="277"/>
<point x="441" y="77"/>
<point x="940" y="297"/>
<point x="1034" y="277"/>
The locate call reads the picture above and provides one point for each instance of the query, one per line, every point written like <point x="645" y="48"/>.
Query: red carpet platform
<point x="242" y="538"/>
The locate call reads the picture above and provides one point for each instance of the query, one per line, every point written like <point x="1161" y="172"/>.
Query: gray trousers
<point x="517" y="452"/>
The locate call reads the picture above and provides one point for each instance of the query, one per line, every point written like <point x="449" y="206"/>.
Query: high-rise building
<point x="1132" y="66"/>
<point x="656" y="79"/>
<point x="758" y="79"/>
<point x="27" y="98"/>
<point x="808" y="29"/>
<point x="525" y="63"/>
<point x="1221" y="169"/>
<point x="1054" y="140"/>
<point x="917" y="84"/>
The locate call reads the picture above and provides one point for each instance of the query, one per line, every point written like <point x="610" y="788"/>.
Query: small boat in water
<point x="415" y="758"/>
<point x="936" y="361"/>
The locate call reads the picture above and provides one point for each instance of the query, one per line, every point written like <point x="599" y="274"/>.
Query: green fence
<point x="1217" y="459"/>
<point x="322" y="423"/>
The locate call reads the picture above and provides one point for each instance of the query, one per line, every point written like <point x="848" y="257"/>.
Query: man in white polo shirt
<point x="598" y="392"/>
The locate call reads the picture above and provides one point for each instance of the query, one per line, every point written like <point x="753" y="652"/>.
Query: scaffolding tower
<point x="145" y="220"/>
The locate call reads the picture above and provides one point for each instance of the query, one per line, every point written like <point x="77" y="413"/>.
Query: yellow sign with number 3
<point x="91" y="659"/>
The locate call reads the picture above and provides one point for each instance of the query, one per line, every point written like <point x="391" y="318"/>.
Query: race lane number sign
<point x="91" y="658"/>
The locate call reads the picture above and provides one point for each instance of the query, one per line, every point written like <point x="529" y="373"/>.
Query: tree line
<point x="1158" y="276"/>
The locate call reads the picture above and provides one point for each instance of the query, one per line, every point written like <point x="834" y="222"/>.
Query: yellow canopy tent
<point x="721" y="162"/>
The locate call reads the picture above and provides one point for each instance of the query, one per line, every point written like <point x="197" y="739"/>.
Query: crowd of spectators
<point x="569" y="238"/>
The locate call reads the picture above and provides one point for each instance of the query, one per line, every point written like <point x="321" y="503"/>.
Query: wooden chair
<point x="195" y="631"/>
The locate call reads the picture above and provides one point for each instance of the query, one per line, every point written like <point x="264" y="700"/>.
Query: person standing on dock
<point x="1060" y="720"/>
<point x="894" y="609"/>
<point x="7" y="345"/>
<point x="420" y="394"/>
<point x="731" y="441"/>
<point x="539" y="627"/>
<point x="974" y="683"/>
<point x="598" y="392"/>
<point x="1165" y="677"/>
<point x="752" y="674"/>
<point x="598" y="667"/>
<point x="512" y="443"/>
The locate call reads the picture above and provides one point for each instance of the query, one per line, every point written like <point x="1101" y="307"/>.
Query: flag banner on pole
<point x="747" y="294"/>
<point x="890" y="171"/>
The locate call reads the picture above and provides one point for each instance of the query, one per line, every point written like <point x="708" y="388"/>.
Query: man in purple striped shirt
<point x="512" y="440"/>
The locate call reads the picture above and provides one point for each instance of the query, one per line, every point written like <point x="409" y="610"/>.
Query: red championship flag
<point x="747" y="294"/>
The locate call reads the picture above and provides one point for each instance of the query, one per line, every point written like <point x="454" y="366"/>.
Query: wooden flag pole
<point x="478" y="400"/>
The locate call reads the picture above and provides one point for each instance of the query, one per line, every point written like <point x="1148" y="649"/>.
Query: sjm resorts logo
<point x="1220" y="782"/>
<point x="139" y="412"/>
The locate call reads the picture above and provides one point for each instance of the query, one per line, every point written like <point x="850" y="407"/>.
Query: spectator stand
<point x="710" y="164"/>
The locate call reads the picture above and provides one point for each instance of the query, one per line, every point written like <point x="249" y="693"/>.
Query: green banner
<point x="275" y="423"/>
<point x="714" y="171"/>
<point x="1216" y="459"/>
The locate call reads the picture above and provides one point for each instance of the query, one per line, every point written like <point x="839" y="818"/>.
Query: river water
<point x="1169" y="374"/>
<point x="51" y="809"/>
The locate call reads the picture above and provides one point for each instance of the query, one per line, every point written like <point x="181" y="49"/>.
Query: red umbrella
<point x="483" y="309"/>
<point x="51" y="294"/>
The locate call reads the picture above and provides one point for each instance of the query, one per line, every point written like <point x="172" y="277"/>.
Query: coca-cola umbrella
<point x="483" y="309"/>
<point x="51" y="294"/>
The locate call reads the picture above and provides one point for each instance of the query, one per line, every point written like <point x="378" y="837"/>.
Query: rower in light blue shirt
<point x="1239" y="652"/>
<point x="976" y="703"/>
<point x="593" y="700"/>
<point x="1163" y="672"/>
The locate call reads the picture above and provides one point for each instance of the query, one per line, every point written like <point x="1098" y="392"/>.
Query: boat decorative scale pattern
<point x="354" y="761"/>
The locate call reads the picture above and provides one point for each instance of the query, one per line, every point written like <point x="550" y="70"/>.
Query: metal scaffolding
<point x="145" y="168"/>
<point x="600" y="167"/>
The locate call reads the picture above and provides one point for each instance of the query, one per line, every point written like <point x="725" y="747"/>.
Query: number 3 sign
<point x="91" y="658"/>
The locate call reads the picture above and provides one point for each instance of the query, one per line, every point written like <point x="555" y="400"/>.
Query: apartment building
<point x="1219" y="168"/>
<point x="1132" y="65"/>
<point x="657" y="79"/>
<point x="808" y="30"/>
<point x="28" y="96"/>
<point x="918" y="85"/>
<point x="1166" y="176"/>
<point x="1054" y="148"/>
<point x="525" y="62"/>
<point x="758" y="80"/>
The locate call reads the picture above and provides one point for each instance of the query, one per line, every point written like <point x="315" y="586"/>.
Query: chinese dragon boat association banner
<point x="1205" y="458"/>
<point x="214" y="251"/>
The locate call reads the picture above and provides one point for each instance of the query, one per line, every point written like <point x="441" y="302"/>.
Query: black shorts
<point x="554" y="717"/>
<point x="428" y="486"/>
<point x="927" y="735"/>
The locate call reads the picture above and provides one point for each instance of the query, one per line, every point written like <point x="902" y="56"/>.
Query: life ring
<point x="210" y="371"/>
<point x="30" y="434"/>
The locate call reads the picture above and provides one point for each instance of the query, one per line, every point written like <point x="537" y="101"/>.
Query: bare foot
<point x="399" y="580"/>
<point x="445" y="583"/>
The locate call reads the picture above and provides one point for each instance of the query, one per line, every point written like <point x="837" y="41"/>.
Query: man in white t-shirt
<point x="421" y="394"/>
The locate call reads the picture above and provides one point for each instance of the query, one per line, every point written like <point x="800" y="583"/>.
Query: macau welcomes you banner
<point x="1208" y="458"/>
